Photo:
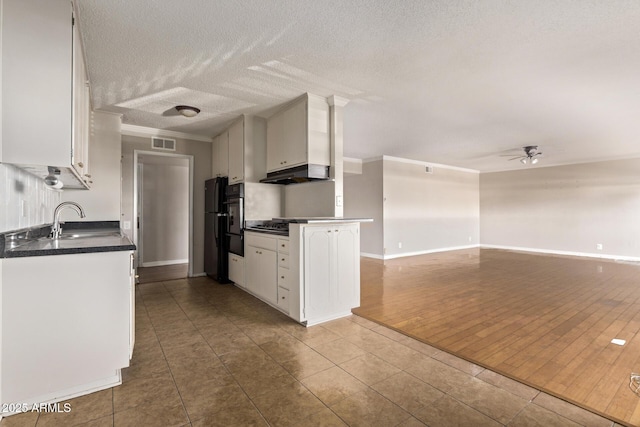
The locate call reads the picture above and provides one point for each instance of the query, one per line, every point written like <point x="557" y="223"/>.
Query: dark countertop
<point x="77" y="238"/>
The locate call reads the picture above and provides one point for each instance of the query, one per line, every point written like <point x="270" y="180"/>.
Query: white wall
<point x="429" y="212"/>
<point x="418" y="211"/>
<point x="309" y="199"/>
<point x="363" y="199"/>
<point x="165" y="219"/>
<point x="102" y="202"/>
<point x="566" y="209"/>
<point x="201" y="151"/>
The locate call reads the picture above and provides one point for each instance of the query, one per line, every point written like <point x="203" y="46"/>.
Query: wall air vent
<point x="428" y="169"/>
<point x="163" y="144"/>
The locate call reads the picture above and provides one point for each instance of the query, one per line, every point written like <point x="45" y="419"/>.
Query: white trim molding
<point x="566" y="253"/>
<point x="418" y="162"/>
<point x="167" y="262"/>
<point x="429" y="251"/>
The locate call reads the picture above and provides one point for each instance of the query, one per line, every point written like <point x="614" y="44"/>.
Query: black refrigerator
<point x="216" y="247"/>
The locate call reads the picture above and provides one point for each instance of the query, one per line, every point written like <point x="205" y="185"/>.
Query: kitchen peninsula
<point x="310" y="270"/>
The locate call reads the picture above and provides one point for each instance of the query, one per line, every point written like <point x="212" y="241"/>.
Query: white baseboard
<point x="199" y="275"/>
<point x="77" y="391"/>
<point x="429" y="251"/>
<point x="368" y="255"/>
<point x="568" y="253"/>
<point x="167" y="262"/>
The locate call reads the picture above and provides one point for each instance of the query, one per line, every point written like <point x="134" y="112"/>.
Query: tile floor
<point x="212" y="355"/>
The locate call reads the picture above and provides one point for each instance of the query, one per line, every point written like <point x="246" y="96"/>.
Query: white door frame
<point x="137" y="223"/>
<point x="136" y="153"/>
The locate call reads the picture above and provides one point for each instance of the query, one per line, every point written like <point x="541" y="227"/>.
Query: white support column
<point x="336" y="118"/>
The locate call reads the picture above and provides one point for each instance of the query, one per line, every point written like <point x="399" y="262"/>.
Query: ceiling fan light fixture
<point x="534" y="161"/>
<point x="524" y="160"/>
<point x="187" y="110"/>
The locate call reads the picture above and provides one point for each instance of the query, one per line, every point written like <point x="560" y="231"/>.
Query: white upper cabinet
<point x="236" y="152"/>
<point x="220" y="155"/>
<point x="299" y="135"/>
<point x="45" y="99"/>
<point x="240" y="150"/>
<point x="81" y="110"/>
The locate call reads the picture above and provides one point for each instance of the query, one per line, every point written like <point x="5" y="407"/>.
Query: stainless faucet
<point x="56" y="230"/>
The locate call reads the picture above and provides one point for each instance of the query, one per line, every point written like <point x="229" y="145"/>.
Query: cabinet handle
<point x="81" y="164"/>
<point x="282" y="277"/>
<point x="282" y="297"/>
<point x="87" y="175"/>
<point x="282" y="259"/>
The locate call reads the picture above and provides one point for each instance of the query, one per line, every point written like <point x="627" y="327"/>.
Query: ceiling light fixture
<point x="187" y="110"/>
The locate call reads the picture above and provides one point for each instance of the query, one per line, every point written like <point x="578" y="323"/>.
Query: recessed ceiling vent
<point x="163" y="144"/>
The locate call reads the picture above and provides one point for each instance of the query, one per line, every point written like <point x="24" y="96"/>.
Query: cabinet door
<point x="274" y="143"/>
<point x="347" y="268"/>
<point x="262" y="273"/>
<point x="132" y="304"/>
<point x="318" y="295"/>
<point x="236" y="269"/>
<point x="294" y="147"/>
<point x="236" y="152"/>
<point x="81" y="110"/>
<point x="220" y="155"/>
<point x="36" y="82"/>
<point x="268" y="284"/>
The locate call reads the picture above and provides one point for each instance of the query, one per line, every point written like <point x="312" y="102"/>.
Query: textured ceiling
<point x="452" y="82"/>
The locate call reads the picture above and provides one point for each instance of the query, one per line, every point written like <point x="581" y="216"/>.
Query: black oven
<point x="235" y="218"/>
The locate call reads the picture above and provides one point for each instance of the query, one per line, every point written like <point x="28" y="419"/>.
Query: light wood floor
<point x="547" y="321"/>
<point x="162" y="273"/>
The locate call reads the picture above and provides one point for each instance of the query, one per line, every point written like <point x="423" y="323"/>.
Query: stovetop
<point x="271" y="227"/>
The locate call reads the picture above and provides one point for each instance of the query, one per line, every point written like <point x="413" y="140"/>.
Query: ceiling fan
<point x="531" y="155"/>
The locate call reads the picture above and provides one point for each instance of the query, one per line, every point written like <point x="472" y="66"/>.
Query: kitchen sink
<point x="79" y="234"/>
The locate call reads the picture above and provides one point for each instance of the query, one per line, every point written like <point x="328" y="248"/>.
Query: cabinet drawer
<point x="283" y="277"/>
<point x="283" y="245"/>
<point x="283" y="299"/>
<point x="260" y="241"/>
<point x="283" y="260"/>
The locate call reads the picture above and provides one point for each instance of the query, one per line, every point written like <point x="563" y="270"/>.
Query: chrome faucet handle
<point x="56" y="229"/>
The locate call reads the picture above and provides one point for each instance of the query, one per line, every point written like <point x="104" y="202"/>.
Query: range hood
<point x="304" y="173"/>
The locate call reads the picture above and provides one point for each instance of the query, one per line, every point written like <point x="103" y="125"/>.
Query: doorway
<point x="163" y="215"/>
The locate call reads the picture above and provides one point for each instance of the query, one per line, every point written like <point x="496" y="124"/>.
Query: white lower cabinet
<point x="262" y="266"/>
<point x="67" y="323"/>
<point x="236" y="269"/>
<point x="331" y="271"/>
<point x="312" y="276"/>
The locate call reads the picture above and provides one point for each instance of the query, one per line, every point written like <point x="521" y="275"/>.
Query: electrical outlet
<point x="126" y="225"/>
<point x="23" y="208"/>
<point x="338" y="201"/>
<point x="470" y="239"/>
<point x="399" y="245"/>
<point x="599" y="246"/>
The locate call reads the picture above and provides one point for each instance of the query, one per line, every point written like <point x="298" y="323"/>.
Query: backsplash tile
<point x="16" y="186"/>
